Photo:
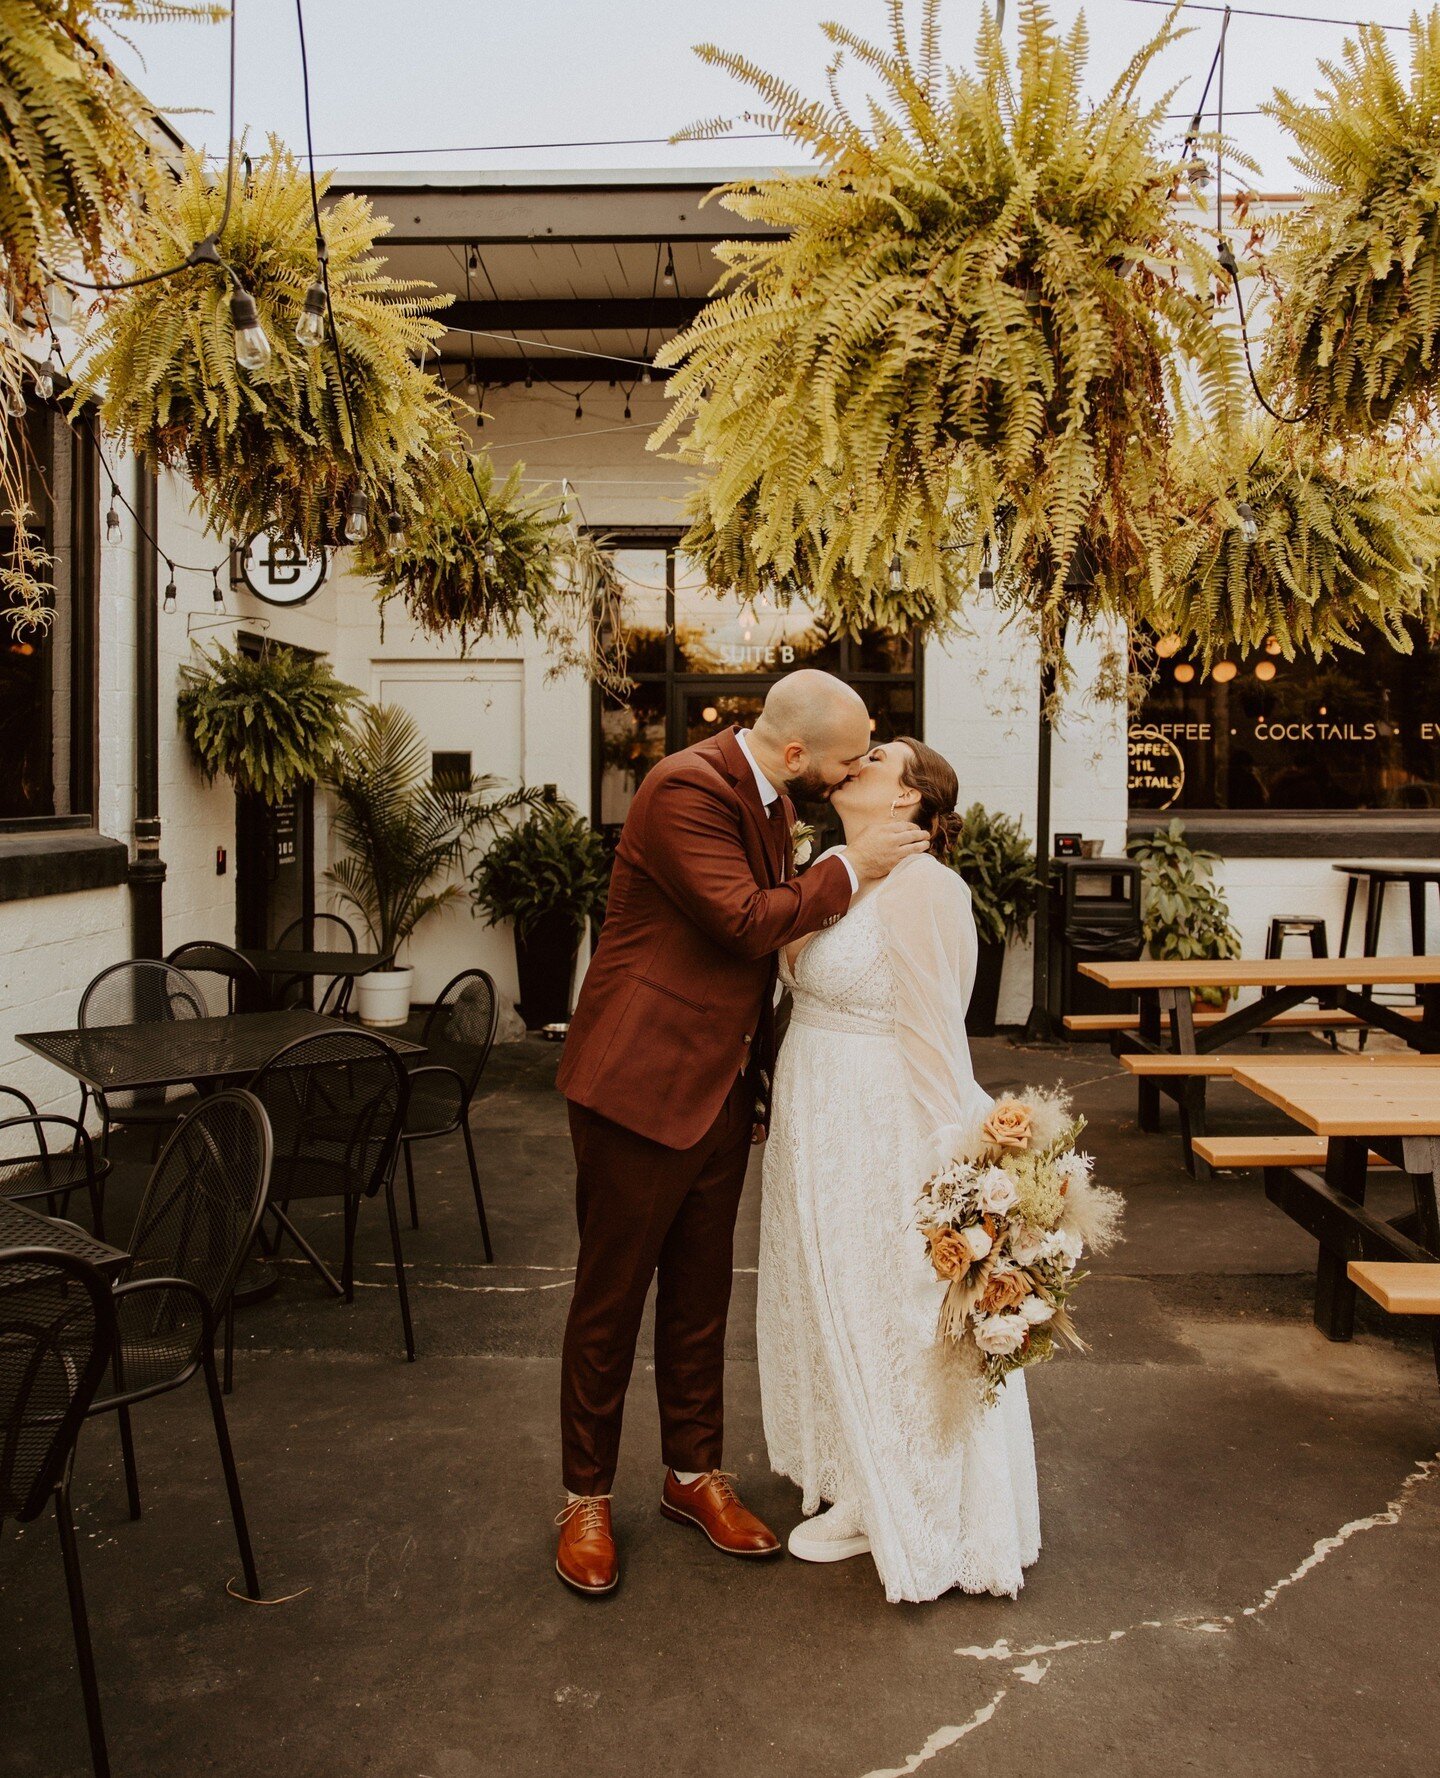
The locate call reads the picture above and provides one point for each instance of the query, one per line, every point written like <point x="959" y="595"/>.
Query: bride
<point x="862" y="1409"/>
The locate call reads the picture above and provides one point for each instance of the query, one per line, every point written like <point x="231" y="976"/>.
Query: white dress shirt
<point x="769" y="794"/>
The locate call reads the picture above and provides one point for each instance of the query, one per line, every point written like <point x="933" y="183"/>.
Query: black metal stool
<point x="1297" y="926"/>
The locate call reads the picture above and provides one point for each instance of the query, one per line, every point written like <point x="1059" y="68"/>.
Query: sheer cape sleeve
<point x="930" y="936"/>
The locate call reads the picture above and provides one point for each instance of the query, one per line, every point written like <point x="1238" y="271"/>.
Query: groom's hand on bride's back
<point x="881" y="847"/>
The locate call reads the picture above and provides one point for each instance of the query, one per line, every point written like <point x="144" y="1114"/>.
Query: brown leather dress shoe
<point x="586" y="1559"/>
<point x="713" y="1505"/>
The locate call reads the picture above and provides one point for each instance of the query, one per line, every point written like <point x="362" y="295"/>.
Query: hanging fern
<point x="73" y="137"/>
<point x="985" y="292"/>
<point x="267" y="722"/>
<point x="270" y="449"/>
<point x="1355" y="337"/>
<point x="480" y="559"/>
<point x="1348" y="544"/>
<point x="477" y="558"/>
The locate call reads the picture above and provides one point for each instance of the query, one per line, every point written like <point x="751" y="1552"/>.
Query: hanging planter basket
<point x="977" y="313"/>
<point x="271" y="447"/>
<point x="267" y="722"/>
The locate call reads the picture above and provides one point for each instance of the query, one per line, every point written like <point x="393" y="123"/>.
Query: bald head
<point x="813" y="733"/>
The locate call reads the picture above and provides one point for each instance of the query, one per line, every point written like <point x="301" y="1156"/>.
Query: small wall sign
<point x="277" y="572"/>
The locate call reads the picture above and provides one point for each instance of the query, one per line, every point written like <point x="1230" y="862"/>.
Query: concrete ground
<point x="1241" y="1523"/>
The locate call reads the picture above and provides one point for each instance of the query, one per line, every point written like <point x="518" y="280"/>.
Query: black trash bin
<point x="1094" y="917"/>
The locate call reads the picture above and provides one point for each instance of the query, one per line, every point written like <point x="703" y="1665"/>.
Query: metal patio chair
<point x="195" y="1225"/>
<point x="228" y="981"/>
<point x="458" y="1037"/>
<point x="46" y="1158"/>
<point x="328" y="932"/>
<point x="336" y="1102"/>
<point x="57" y="1340"/>
<point x="133" y="993"/>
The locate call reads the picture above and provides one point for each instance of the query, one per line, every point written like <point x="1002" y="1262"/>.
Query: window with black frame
<point x="702" y="661"/>
<point x="47" y="672"/>
<point x="1358" y="732"/>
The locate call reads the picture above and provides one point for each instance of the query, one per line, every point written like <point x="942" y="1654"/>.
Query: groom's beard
<point x="810" y="787"/>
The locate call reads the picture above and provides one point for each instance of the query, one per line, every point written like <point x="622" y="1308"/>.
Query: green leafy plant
<point x="996" y="860"/>
<point x="267" y="721"/>
<point x="1182" y="914"/>
<point x="1355" y="337"/>
<point x="1346" y="543"/>
<point x="971" y="324"/>
<point x="270" y="449"/>
<point x="404" y="832"/>
<point x="74" y="143"/>
<point x="553" y="863"/>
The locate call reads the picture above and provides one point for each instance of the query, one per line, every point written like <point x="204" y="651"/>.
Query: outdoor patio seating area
<point x="1221" y="1488"/>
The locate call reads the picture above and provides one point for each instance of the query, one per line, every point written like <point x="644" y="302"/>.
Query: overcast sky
<point x="392" y="77"/>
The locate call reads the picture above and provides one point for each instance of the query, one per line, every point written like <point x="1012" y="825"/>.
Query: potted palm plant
<point x="547" y="875"/>
<point x="996" y="860"/>
<point x="405" y="834"/>
<point x="1182" y="913"/>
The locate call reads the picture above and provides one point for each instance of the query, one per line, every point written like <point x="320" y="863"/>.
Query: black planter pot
<point x="545" y="962"/>
<point x="985" y="999"/>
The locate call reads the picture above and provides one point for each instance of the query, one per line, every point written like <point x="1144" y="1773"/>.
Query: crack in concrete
<point x="1036" y="1661"/>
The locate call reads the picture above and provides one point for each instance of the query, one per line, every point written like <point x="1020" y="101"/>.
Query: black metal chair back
<point x="328" y="933"/>
<point x="336" y="1103"/>
<point x="139" y="992"/>
<point x="229" y="982"/>
<point x="460" y="1031"/>
<point x="53" y="1158"/>
<point x="57" y="1339"/>
<point x="196" y="1223"/>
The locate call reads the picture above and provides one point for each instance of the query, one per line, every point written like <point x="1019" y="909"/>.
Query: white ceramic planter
<point x="383" y="996"/>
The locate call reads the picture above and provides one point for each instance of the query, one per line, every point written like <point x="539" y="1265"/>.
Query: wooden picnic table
<point x="1357" y="1105"/>
<point x="1165" y="989"/>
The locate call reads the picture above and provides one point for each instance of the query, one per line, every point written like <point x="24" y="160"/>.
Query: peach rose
<point x="1008" y="1125"/>
<point x="949" y="1253"/>
<point x="1006" y="1290"/>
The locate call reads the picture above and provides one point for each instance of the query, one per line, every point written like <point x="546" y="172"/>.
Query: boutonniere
<point x="802" y="843"/>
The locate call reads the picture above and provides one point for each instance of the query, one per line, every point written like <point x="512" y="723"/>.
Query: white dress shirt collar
<point x="768" y="792"/>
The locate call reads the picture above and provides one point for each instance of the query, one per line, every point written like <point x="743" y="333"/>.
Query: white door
<point x="472" y="711"/>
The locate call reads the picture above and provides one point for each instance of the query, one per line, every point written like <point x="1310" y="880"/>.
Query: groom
<point x="667" y="1072"/>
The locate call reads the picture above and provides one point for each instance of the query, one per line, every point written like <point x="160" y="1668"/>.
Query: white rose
<point x="1036" y="1310"/>
<point x="1000" y="1335"/>
<point x="1063" y="1244"/>
<point x="802" y="853"/>
<point x="997" y="1191"/>
<point x="976" y="1239"/>
<point x="1027" y="1243"/>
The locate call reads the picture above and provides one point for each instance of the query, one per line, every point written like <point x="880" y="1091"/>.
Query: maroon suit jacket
<point x="678" y="998"/>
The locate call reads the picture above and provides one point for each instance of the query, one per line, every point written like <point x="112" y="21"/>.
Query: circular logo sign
<point x="1157" y="769"/>
<point x="278" y="573"/>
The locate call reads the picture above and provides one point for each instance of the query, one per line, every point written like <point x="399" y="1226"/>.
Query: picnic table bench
<point x="1173" y="1050"/>
<point x="1359" y="1106"/>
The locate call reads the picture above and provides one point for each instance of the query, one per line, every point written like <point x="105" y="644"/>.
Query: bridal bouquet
<point x="1006" y="1219"/>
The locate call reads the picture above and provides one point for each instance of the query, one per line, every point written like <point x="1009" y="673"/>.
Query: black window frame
<point x="82" y="533"/>
<point x="675" y="678"/>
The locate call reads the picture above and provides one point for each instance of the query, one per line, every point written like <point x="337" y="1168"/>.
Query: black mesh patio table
<point x="315" y="963"/>
<point x="22" y="1227"/>
<point x="178" y="1052"/>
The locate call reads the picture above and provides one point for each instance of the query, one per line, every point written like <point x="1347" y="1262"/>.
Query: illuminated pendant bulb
<point x="45" y="381"/>
<point x="310" y="328"/>
<point x="168" y="602"/>
<point x="15" y="401"/>
<point x="489" y="555"/>
<point x="669" y="272"/>
<point x="394" y="534"/>
<point x="897" y="574"/>
<point x="112" y="516"/>
<point x="252" y="344"/>
<point x="357" y="523"/>
<point x="1249" y="520"/>
<point x="647" y="375"/>
<point x="1223" y="672"/>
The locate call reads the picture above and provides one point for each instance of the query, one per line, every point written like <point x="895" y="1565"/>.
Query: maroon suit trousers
<point x="645" y="1209"/>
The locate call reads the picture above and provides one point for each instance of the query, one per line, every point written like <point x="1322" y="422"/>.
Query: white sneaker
<point x="831" y="1536"/>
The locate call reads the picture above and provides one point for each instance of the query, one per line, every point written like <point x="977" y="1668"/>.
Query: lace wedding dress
<point x="861" y="1405"/>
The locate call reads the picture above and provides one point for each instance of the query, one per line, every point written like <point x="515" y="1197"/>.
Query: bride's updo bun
<point x="934" y="777"/>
